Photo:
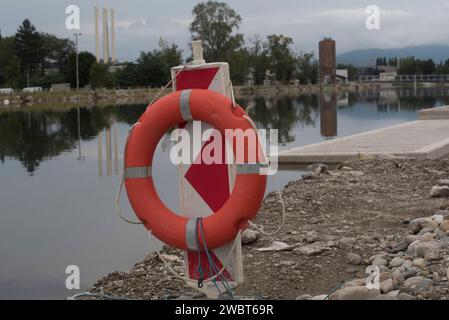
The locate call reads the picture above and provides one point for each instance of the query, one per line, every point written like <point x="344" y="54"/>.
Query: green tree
<point x="6" y="54"/>
<point x="56" y="50"/>
<point x="170" y="53"/>
<point x="28" y="46"/>
<point x="307" y="68"/>
<point x="86" y="61"/>
<point x="240" y="65"/>
<point x="426" y="66"/>
<point x="151" y="69"/>
<point x="408" y="66"/>
<point x="12" y="72"/>
<point x="258" y="59"/>
<point x="127" y="76"/>
<point x="100" y="76"/>
<point x="282" y="58"/>
<point x="443" y="68"/>
<point x="215" y="24"/>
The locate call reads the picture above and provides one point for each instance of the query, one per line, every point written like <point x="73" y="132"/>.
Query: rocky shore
<point x="90" y="98"/>
<point x="370" y="229"/>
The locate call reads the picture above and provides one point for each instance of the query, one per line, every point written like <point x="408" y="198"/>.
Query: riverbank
<point x="339" y="222"/>
<point x="90" y="98"/>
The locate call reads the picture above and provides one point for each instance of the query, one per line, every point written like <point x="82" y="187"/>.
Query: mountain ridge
<point x="366" y="57"/>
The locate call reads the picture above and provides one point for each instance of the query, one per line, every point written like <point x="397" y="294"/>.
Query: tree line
<point x="40" y="59"/>
<point x="411" y="65"/>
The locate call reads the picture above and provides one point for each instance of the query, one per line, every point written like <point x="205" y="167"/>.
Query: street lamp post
<point x="77" y="61"/>
<point x="80" y="157"/>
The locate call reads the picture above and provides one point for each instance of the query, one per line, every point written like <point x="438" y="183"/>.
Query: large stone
<point x="411" y="238"/>
<point x="423" y="223"/>
<point x="406" y="296"/>
<point x="424" y="248"/>
<point x="396" y="262"/>
<point x="438" y="218"/>
<point x="354" y="259"/>
<point x="312" y="249"/>
<point x="249" y="237"/>
<point x="355" y="293"/>
<point x="412" y="247"/>
<point x="287" y="263"/>
<point x="420" y="263"/>
<point x="443" y="182"/>
<point x="417" y="224"/>
<point x="355" y="283"/>
<point x="320" y="297"/>
<point x="386" y="286"/>
<point x="401" y="246"/>
<point x="312" y="237"/>
<point x="408" y="264"/>
<point x="304" y="297"/>
<point x="418" y="283"/>
<point x="439" y="192"/>
<point x="427" y="237"/>
<point x="379" y="262"/>
<point x="318" y="168"/>
<point x="444" y="226"/>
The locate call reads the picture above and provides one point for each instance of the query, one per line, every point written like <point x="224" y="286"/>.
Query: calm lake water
<point x="58" y="183"/>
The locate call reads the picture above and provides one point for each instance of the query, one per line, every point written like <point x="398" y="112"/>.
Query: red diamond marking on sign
<point x="211" y="181"/>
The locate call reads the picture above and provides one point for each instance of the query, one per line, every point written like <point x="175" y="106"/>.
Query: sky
<point x="141" y="23"/>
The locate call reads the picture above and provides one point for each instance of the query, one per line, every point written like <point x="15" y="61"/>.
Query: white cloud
<point x="182" y="23"/>
<point x="352" y="14"/>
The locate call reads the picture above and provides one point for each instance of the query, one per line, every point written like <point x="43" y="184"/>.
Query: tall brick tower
<point x="328" y="61"/>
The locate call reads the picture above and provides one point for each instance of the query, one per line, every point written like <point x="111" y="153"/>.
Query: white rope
<point x="187" y="280"/>
<point x="234" y="105"/>
<point x="122" y="180"/>
<point x="281" y="200"/>
<point x="278" y="190"/>
<point x="169" y="83"/>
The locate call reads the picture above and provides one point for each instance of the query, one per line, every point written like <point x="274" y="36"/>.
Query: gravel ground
<point x="339" y="222"/>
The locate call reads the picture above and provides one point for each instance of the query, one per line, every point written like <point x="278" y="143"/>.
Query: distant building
<point x="6" y="90"/>
<point x="60" y="87"/>
<point x="115" y="68"/>
<point x="387" y="73"/>
<point x="342" y="75"/>
<point x="249" y="79"/>
<point x="32" y="89"/>
<point x="270" y="78"/>
<point x="388" y="76"/>
<point x="328" y="61"/>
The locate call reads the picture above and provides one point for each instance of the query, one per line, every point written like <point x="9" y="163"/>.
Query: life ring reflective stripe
<point x="223" y="225"/>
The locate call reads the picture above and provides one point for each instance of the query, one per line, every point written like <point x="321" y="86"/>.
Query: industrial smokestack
<point x="97" y="36"/>
<point x="105" y="37"/>
<point x="114" y="54"/>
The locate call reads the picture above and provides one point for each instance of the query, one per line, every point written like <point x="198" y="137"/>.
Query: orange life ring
<point x="223" y="225"/>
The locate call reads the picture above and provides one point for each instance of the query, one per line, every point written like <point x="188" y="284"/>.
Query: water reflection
<point x="328" y="114"/>
<point x="111" y="149"/>
<point x="33" y="137"/>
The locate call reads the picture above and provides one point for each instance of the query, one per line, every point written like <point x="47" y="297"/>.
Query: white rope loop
<point x="278" y="190"/>
<point x="122" y="180"/>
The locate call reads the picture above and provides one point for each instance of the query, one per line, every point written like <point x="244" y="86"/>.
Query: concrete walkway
<point x="422" y="139"/>
<point x="434" y="113"/>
